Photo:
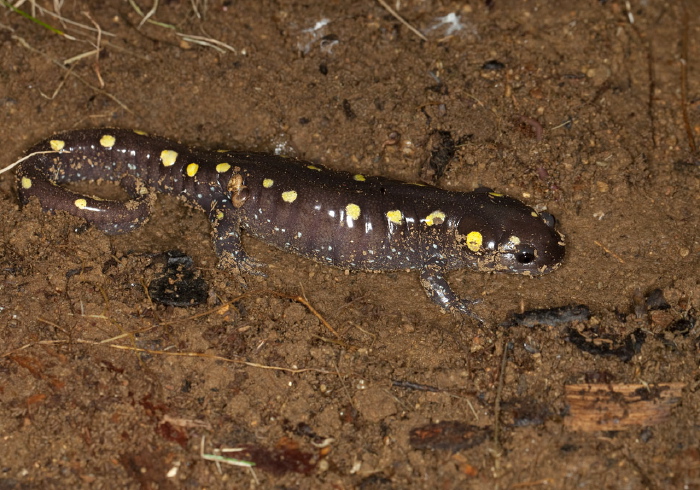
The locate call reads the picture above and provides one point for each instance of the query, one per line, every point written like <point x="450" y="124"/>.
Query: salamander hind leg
<point x="227" y="243"/>
<point x="433" y="280"/>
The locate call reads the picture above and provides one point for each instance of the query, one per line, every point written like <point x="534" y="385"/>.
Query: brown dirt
<point x="613" y="162"/>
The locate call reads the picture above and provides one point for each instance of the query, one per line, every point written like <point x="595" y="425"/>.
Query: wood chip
<point x="619" y="406"/>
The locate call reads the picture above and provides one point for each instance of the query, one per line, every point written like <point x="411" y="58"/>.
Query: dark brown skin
<point x="337" y="218"/>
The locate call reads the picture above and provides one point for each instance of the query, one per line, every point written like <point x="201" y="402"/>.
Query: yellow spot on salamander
<point x="474" y="241"/>
<point x="359" y="177"/>
<point x="267" y="183"/>
<point x="395" y="216"/>
<point x="26" y="183"/>
<point x="514" y="240"/>
<point x="108" y="141"/>
<point x="140" y="133"/>
<point x="80" y="203"/>
<point x="192" y="169"/>
<point x="219" y="215"/>
<point x="222" y="151"/>
<point x="57" y="145"/>
<point x="223" y="167"/>
<point x="435" y="218"/>
<point x="353" y="211"/>
<point x="313" y="167"/>
<point x="168" y="157"/>
<point x="289" y="196"/>
<point x="534" y="214"/>
<point x="495" y="194"/>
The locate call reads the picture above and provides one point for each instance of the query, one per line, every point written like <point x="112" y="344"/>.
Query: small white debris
<point x="451" y="24"/>
<point x="312" y="35"/>
<point x="317" y="26"/>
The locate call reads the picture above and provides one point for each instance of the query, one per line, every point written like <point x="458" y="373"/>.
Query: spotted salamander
<point x="347" y="220"/>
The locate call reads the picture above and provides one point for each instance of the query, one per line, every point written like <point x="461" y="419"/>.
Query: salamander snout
<point x="538" y="248"/>
<point x="514" y="238"/>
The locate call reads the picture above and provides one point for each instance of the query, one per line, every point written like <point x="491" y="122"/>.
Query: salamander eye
<point x="525" y="255"/>
<point x="549" y="220"/>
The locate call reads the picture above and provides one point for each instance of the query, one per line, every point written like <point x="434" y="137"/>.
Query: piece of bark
<point x="619" y="406"/>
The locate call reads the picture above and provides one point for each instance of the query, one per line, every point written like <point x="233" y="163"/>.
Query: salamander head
<point x="505" y="235"/>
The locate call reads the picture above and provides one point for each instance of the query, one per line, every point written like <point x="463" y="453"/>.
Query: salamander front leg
<point x="227" y="243"/>
<point x="436" y="287"/>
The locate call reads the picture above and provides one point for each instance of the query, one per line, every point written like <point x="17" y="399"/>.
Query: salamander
<point x="347" y="220"/>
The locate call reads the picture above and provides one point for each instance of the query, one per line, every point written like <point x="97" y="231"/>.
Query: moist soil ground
<point x="589" y="110"/>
